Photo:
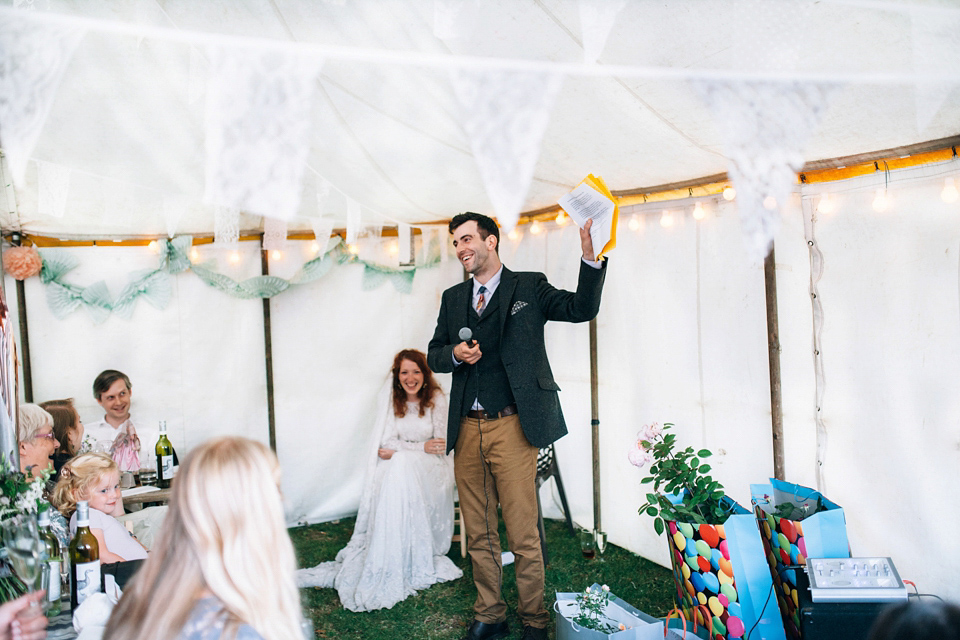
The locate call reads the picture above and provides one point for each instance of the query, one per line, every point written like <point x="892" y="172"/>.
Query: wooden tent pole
<point x="773" y="356"/>
<point x="268" y="354"/>
<point x="16" y="239"/>
<point x="595" y="423"/>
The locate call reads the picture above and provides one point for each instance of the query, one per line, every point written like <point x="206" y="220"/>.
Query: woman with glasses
<point x="37" y="442"/>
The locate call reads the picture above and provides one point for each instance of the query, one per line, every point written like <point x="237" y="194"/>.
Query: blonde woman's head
<point x="78" y="477"/>
<point x="224" y="533"/>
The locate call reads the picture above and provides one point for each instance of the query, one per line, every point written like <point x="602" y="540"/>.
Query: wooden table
<point x="161" y="495"/>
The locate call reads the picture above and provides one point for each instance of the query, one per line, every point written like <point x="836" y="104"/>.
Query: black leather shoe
<point x="533" y="633"/>
<point x="488" y="631"/>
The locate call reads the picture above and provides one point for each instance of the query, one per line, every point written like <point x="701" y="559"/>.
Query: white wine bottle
<point x="84" y="559"/>
<point x="167" y="461"/>
<point x="49" y="538"/>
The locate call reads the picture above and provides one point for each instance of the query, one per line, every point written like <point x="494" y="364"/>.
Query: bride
<point x="405" y="522"/>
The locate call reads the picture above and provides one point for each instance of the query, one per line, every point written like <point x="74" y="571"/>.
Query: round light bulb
<point x="194" y="254"/>
<point x="634" y="223"/>
<point x="881" y="201"/>
<point x="949" y="193"/>
<point x="535" y="228"/>
<point x="666" y="219"/>
<point x="393" y="248"/>
<point x="826" y="204"/>
<point x="314" y="247"/>
<point x="770" y="203"/>
<point x="234" y="257"/>
<point x="276" y="254"/>
<point x="562" y="218"/>
<point x="699" y="213"/>
<point x="353" y="248"/>
<point x="154" y="246"/>
<point x="514" y="234"/>
<point x="729" y="193"/>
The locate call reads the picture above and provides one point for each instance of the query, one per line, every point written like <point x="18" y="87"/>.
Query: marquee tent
<point x="223" y="124"/>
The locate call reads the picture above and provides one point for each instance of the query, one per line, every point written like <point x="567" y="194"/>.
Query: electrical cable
<point x="770" y="593"/>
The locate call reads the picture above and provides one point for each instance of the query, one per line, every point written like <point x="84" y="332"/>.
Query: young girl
<point x="94" y="477"/>
<point x="223" y="564"/>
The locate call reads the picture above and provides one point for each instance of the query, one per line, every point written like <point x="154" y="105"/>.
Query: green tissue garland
<point x="153" y="285"/>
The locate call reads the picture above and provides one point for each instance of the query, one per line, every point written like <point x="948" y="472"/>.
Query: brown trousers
<point x="494" y="463"/>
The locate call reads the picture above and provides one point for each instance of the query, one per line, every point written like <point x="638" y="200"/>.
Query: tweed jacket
<point x="527" y="302"/>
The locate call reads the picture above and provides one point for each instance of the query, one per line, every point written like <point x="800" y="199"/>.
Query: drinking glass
<point x="601" y="537"/>
<point x="588" y="544"/>
<point x="25" y="552"/>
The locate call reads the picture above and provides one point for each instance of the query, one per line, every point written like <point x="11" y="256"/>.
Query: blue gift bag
<point x="791" y="539"/>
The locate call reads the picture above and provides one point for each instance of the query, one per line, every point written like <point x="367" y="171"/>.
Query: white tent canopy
<point x="412" y="115"/>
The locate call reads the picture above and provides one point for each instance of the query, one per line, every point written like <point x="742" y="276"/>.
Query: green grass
<point x="444" y="610"/>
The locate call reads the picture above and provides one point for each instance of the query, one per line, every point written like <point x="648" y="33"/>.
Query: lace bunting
<point x="274" y="234"/>
<point x="226" y="227"/>
<point x="353" y="220"/>
<point x="53" y="185"/>
<point x="505" y="116"/>
<point x="258" y="129"/>
<point x="597" y="18"/>
<point x="322" y="229"/>
<point x="765" y="126"/>
<point x="33" y="57"/>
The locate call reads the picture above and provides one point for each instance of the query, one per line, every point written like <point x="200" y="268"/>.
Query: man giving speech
<point x="504" y="406"/>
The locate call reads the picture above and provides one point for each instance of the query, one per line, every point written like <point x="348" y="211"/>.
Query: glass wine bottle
<point x="52" y="584"/>
<point x="167" y="461"/>
<point x="84" y="559"/>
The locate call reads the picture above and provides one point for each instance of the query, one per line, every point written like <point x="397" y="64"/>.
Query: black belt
<point x="480" y="414"/>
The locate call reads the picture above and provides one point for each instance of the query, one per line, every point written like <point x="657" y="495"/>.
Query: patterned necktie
<point x="483" y="290"/>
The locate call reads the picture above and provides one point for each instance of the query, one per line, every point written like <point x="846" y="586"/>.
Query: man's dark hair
<point x="485" y="225"/>
<point x="106" y="379"/>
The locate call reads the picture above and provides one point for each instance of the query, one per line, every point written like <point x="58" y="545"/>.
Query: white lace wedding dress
<point x="405" y="522"/>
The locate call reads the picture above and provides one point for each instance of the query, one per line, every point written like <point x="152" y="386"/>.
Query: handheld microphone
<point x="467" y="336"/>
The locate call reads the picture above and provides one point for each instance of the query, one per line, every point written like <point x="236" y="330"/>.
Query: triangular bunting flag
<point x="33" y="56"/>
<point x="505" y="116"/>
<point x="258" y="129"/>
<point x="765" y="127"/>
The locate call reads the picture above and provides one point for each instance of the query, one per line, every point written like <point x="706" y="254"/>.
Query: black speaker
<point x="834" y="620"/>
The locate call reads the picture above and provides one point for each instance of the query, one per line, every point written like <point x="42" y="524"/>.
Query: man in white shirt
<point x="113" y="391"/>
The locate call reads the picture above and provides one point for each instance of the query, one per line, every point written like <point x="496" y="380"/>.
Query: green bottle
<point x="53" y="560"/>
<point x="167" y="461"/>
<point x="84" y="559"/>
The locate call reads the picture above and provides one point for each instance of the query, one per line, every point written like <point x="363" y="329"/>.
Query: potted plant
<point x="719" y="568"/>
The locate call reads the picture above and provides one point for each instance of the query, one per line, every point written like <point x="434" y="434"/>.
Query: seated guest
<point x="918" y="620"/>
<point x="223" y="564"/>
<point x="67" y="429"/>
<point x="116" y="433"/>
<point x="94" y="477"/>
<point x="37" y="442"/>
